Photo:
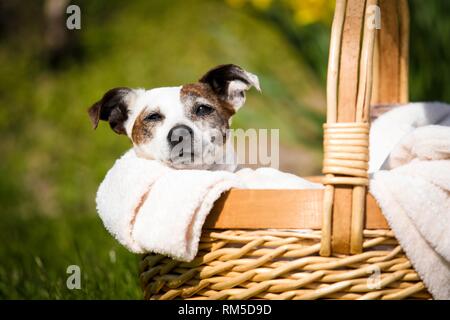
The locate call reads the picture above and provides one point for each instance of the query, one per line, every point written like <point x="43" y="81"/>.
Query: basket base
<point x="281" y="265"/>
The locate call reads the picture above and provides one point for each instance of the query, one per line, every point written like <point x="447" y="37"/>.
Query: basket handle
<point x="354" y="71"/>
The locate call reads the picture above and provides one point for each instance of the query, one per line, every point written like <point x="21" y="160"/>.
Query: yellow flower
<point x="261" y="4"/>
<point x="235" y="3"/>
<point x="304" y="11"/>
<point x="312" y="11"/>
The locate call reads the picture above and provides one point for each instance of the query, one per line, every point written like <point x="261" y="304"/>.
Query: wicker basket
<point x="251" y="247"/>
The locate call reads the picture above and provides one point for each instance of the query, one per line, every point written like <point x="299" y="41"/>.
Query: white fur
<point x="167" y="101"/>
<point x="236" y="89"/>
<point x="208" y="151"/>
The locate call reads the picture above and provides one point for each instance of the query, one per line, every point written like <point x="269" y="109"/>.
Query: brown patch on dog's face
<point x="198" y="97"/>
<point x="145" y="126"/>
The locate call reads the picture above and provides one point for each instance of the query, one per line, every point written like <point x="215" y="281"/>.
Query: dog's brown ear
<point x="230" y="82"/>
<point x="112" y="108"/>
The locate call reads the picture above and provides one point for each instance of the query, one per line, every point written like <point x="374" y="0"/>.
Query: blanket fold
<point x="149" y="207"/>
<point x="414" y="194"/>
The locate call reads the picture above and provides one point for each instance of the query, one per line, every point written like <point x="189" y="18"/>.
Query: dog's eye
<point x="154" y="117"/>
<point x="203" y="110"/>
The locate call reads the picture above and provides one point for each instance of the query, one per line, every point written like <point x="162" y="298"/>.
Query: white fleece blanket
<point x="413" y="190"/>
<point x="149" y="207"/>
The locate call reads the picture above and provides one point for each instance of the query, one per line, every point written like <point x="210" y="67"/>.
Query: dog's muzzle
<point x="180" y="134"/>
<point x="181" y="141"/>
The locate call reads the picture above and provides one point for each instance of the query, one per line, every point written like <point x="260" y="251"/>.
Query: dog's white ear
<point x="112" y="107"/>
<point x="230" y="82"/>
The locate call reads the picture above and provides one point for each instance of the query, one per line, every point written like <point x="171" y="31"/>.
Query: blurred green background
<point x="51" y="159"/>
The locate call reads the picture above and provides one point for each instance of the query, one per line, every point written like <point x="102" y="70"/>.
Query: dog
<point x="184" y="127"/>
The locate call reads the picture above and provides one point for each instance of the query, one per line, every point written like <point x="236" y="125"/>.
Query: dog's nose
<point x="179" y="133"/>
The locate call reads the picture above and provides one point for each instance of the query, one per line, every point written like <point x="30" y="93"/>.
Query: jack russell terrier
<point x="184" y="127"/>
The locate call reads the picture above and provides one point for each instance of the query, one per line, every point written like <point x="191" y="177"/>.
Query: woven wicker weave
<point x="268" y="264"/>
<point x="346" y="249"/>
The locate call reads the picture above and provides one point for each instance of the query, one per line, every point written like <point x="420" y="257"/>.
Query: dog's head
<point x="183" y="127"/>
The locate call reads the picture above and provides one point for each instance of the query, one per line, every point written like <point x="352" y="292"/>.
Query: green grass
<point x="36" y="252"/>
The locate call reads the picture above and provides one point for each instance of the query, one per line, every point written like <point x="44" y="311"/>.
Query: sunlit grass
<point x="36" y="252"/>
